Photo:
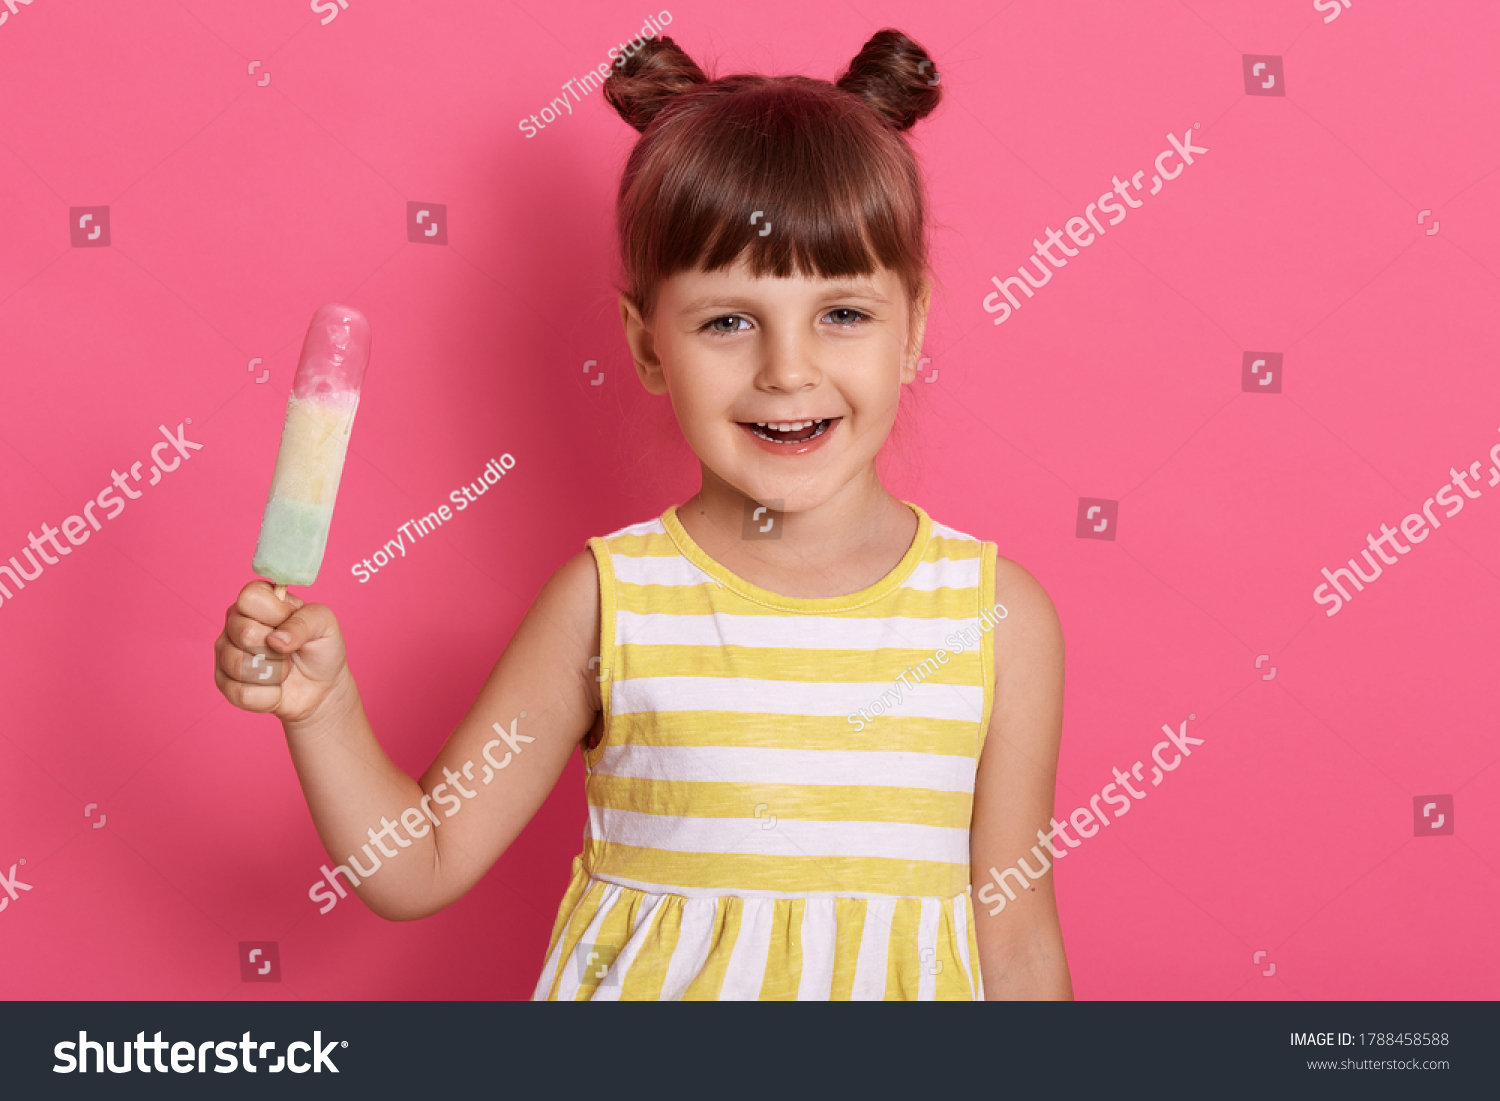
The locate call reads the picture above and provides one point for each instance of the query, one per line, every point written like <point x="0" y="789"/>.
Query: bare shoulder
<point x="1026" y="722"/>
<point x="567" y="610"/>
<point x="1031" y="624"/>
<point x="570" y="598"/>
<point x="574" y="586"/>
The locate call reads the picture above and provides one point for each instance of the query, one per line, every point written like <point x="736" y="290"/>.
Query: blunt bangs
<point x="837" y="190"/>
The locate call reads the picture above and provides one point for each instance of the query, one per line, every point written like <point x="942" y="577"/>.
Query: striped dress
<point x="779" y="805"/>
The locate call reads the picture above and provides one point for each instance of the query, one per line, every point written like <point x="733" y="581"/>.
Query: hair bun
<point x="651" y="77"/>
<point x="895" y="76"/>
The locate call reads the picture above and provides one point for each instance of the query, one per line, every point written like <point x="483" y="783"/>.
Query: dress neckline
<point x="695" y="554"/>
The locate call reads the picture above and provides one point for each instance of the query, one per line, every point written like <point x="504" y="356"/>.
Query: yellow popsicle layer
<point x="313" y="442"/>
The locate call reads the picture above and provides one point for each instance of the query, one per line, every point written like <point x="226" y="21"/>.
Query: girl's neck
<point x="846" y="544"/>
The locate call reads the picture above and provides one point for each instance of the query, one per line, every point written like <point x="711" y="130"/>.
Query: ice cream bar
<point x="319" y="418"/>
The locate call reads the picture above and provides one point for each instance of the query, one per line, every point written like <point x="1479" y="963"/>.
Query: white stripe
<point x="927" y="700"/>
<point x="944" y="573"/>
<point x="874" y="943"/>
<point x="645" y="527"/>
<point x="788" y="838"/>
<point x="752" y="947"/>
<point x="544" y="984"/>
<point x="805" y="633"/>
<point x="767" y="765"/>
<point x="676" y="570"/>
<point x="658" y="569"/>
<point x="943" y="531"/>
<point x="639" y="935"/>
<point x="961" y="923"/>
<point x="572" y="976"/>
<point x="693" y="942"/>
<point x="929" y="961"/>
<point x="818" y="933"/>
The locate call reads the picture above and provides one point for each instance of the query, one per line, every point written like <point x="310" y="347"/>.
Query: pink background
<point x="236" y="208"/>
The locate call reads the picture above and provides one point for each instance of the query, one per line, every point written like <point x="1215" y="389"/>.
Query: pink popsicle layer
<point x="334" y="354"/>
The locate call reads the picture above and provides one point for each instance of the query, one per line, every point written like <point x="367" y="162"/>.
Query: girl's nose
<point x="788" y="364"/>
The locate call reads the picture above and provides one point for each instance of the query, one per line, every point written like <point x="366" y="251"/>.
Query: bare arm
<point x="1021" y="952"/>
<point x="435" y="837"/>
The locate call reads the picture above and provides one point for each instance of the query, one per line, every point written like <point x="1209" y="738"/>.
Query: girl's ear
<point x="642" y="348"/>
<point x="911" y="360"/>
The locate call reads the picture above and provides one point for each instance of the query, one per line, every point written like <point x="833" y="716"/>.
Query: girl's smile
<point x="793" y="437"/>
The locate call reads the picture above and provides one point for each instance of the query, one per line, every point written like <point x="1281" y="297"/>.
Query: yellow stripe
<point x="655" y="544"/>
<point x="849" y="921"/>
<point x="706" y="599"/>
<point x="976" y="976"/>
<point x="731" y="872"/>
<point x="951" y="983"/>
<point x="610" y="938"/>
<point x="902" y="966"/>
<point x="784" y="960"/>
<point x="582" y="914"/>
<point x="710" y="980"/>
<point x="648" y="971"/>
<point x="801" y="802"/>
<point x="607" y="598"/>
<point x="660" y="545"/>
<point x="880" y="666"/>
<point x="987" y="671"/>
<point x="887" y="734"/>
<point x="576" y="886"/>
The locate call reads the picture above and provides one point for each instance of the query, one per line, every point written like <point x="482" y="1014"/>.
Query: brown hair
<point x="824" y="162"/>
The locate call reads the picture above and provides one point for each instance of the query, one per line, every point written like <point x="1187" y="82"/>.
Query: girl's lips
<point x="801" y="447"/>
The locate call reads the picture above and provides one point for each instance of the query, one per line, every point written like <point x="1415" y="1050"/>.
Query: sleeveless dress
<point x="779" y="805"/>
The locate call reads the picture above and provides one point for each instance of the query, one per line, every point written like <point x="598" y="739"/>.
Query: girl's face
<point x="786" y="388"/>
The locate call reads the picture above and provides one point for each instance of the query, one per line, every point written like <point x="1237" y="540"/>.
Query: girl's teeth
<point x="791" y="426"/>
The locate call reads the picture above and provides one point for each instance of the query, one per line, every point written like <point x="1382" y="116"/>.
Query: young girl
<point x="809" y="712"/>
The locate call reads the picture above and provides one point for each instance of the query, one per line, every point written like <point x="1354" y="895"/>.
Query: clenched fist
<point x="281" y="657"/>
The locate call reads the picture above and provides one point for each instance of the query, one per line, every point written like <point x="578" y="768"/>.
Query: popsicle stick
<point x="280" y="592"/>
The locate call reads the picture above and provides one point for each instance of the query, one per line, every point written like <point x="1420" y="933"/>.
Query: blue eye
<point x="853" y="315"/>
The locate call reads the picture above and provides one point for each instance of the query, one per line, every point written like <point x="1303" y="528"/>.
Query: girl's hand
<point x="280" y="657"/>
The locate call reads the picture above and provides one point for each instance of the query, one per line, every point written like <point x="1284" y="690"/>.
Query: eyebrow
<point x="848" y="289"/>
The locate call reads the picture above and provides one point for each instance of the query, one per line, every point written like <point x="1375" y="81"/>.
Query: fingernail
<point x="280" y="636"/>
